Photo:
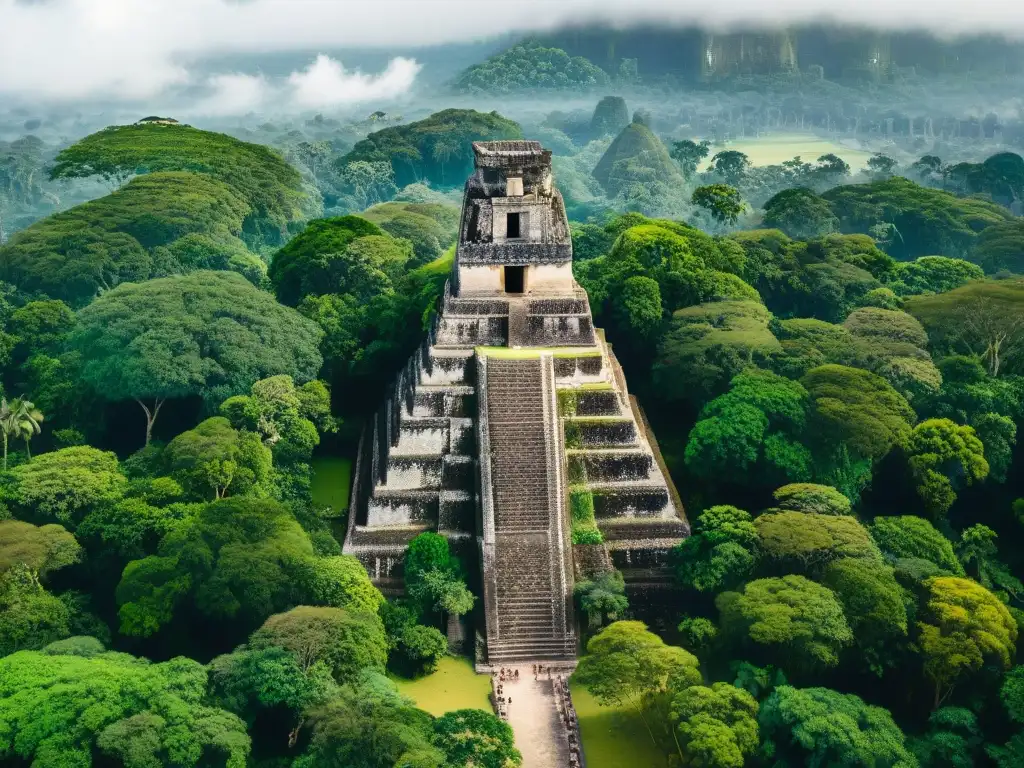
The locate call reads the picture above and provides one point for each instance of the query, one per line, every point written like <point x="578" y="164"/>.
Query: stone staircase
<point x="529" y="600"/>
<point x="416" y="470"/>
<point x="515" y="407"/>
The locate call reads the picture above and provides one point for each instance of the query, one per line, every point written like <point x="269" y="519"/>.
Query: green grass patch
<point x="440" y="266"/>
<point x="581" y="515"/>
<point x="614" y="737"/>
<point x="332" y="482"/>
<point x="453" y="686"/>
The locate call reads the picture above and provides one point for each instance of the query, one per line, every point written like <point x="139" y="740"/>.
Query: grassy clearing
<point x="773" y="149"/>
<point x="442" y="265"/>
<point x="454" y="686"/>
<point x="614" y="737"/>
<point x="332" y="482"/>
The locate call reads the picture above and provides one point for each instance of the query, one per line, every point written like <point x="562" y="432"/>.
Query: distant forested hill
<point x="271" y="187"/>
<point x="531" y="66"/>
<point x="436" y="149"/>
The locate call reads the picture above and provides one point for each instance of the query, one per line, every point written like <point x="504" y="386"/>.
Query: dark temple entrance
<point x="515" y="279"/>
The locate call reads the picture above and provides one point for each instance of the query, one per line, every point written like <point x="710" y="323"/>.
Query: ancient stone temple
<point x="510" y="430"/>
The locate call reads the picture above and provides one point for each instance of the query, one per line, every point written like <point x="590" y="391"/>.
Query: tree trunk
<point x="456" y="633"/>
<point x="28" y="451"/>
<point x="675" y="738"/>
<point x="151" y="415"/>
<point x="640" y="711"/>
<point x="5" y="451"/>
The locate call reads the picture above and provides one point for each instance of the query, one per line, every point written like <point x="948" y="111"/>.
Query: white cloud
<point x="325" y="83"/>
<point x="234" y="94"/>
<point x="138" y="49"/>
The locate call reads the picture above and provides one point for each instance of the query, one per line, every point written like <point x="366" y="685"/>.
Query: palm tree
<point x="6" y="425"/>
<point x="19" y="418"/>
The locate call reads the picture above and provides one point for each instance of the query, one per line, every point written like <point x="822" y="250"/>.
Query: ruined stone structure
<point x="512" y="418"/>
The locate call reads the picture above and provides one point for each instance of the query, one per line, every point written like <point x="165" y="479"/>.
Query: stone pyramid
<point x="511" y="432"/>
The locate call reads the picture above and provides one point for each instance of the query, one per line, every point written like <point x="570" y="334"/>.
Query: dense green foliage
<point x="430" y="227"/>
<point x="125" y="708"/>
<point x="836" y="394"/>
<point x="863" y="396"/>
<point x="437" y="148"/>
<point x="530" y="66"/>
<point x="130" y="235"/>
<point x="929" y="221"/>
<point x="271" y="187"/>
<point x="210" y="334"/>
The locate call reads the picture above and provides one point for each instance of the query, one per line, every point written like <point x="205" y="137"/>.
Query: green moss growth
<point x="568" y="400"/>
<point x="577" y="468"/>
<point x="573" y="435"/>
<point x="581" y="513"/>
<point x="587" y="536"/>
<point x="581" y="504"/>
<point x="453" y="686"/>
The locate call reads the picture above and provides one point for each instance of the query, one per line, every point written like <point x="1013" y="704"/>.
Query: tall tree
<point x="240" y="560"/>
<point x="798" y="622"/>
<point x="720" y="554"/>
<point x="626" y="664"/>
<point x="66" y="485"/>
<point x="943" y="457"/>
<point x="964" y="627"/>
<point x="211" y="334"/>
<point x="472" y="738"/>
<point x="819" y="727"/>
<point x="717" y="725"/>
<point x="722" y="201"/>
<point x="19" y="419"/>
<point x="43" y="549"/>
<point x="984" y="319"/>
<point x="858" y="409"/>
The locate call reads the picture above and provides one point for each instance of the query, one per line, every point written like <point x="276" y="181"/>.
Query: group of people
<point x="567" y="712"/>
<point x="498" y="680"/>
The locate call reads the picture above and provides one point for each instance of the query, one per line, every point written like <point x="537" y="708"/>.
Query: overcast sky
<point x="136" y="50"/>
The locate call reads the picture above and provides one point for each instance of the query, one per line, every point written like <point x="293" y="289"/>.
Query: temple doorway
<point x="515" y="279"/>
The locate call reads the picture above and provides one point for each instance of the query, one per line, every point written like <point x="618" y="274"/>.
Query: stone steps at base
<point x="529" y="632"/>
<point x="553" y="649"/>
<point x="529" y="624"/>
<point x="529" y="599"/>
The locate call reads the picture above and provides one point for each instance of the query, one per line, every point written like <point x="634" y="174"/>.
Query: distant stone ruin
<point x="511" y="428"/>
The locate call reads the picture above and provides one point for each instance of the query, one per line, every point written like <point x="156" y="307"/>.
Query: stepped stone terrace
<point x="511" y="432"/>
